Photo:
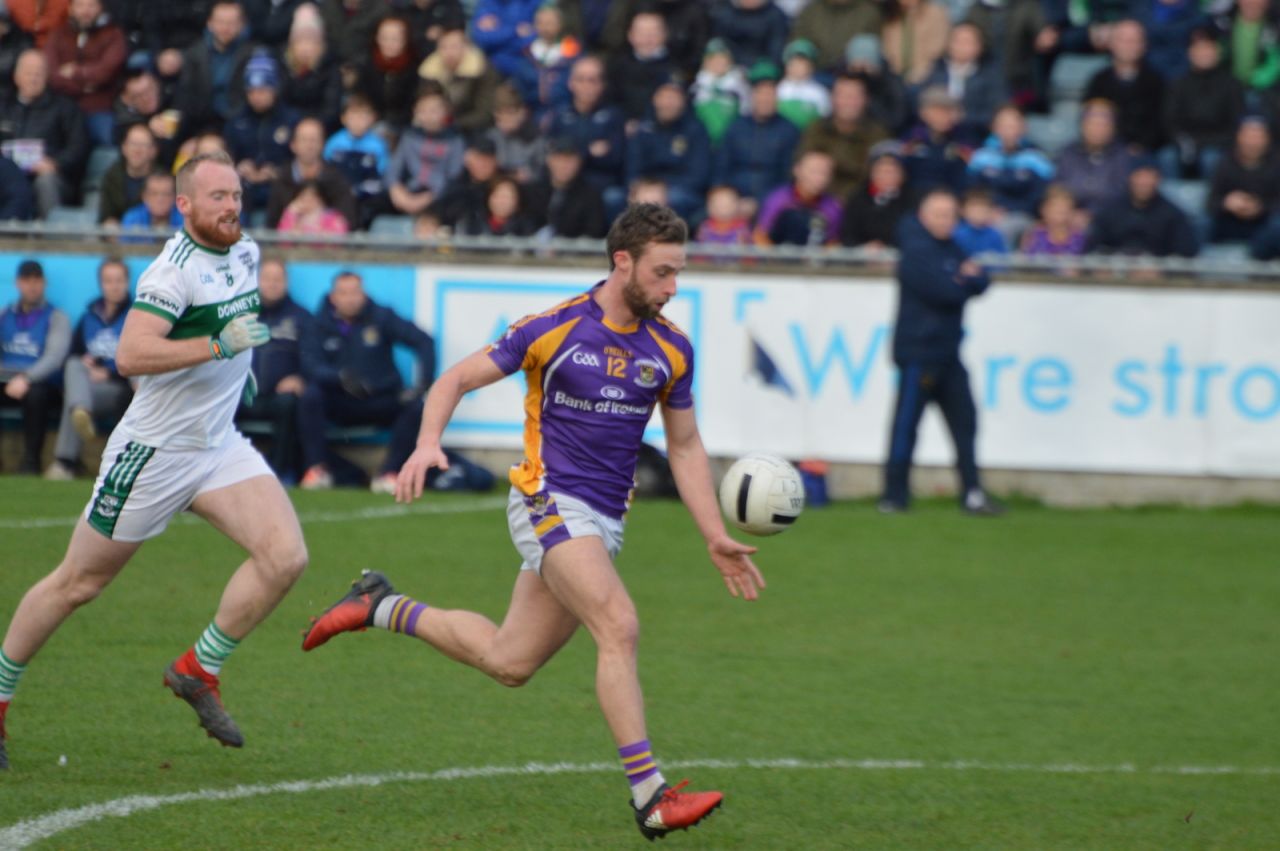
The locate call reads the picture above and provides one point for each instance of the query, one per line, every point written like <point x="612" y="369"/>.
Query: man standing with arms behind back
<point x="935" y="280"/>
<point x="187" y="336"/>
<point x="571" y="493"/>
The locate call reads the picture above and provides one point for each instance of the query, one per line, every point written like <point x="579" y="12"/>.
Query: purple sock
<point x="637" y="761"/>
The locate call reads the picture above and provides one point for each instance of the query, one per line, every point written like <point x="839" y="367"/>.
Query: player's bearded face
<point x="214" y="219"/>
<point x="638" y="301"/>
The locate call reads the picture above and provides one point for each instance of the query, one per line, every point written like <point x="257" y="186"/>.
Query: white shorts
<point x="539" y="522"/>
<point x="140" y="488"/>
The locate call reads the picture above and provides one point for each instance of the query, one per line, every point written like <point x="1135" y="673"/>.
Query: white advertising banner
<point x="1079" y="377"/>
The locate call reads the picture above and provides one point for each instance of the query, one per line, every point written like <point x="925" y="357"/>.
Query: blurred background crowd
<point x="1066" y="126"/>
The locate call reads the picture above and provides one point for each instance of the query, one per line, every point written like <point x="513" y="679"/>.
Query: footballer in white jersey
<point x="188" y="341"/>
<point x="199" y="289"/>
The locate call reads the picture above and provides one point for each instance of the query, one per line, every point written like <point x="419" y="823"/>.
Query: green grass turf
<point x="1096" y="638"/>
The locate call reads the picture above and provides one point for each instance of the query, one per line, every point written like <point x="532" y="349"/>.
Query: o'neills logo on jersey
<point x="239" y="305"/>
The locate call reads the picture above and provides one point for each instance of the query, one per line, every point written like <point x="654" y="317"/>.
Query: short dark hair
<point x="642" y="224"/>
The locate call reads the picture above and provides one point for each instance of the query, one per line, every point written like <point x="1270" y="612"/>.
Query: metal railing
<point x="1210" y="269"/>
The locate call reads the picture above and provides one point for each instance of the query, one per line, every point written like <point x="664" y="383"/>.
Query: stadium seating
<point x="386" y="225"/>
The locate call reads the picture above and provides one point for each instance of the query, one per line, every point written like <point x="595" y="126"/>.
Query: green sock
<point x="10" y="671"/>
<point x="213" y="648"/>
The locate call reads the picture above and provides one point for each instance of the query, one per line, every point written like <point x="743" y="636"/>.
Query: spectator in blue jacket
<point x="157" y="211"/>
<point x="672" y="146"/>
<point x="756" y="153"/>
<point x="754" y="29"/>
<point x="352" y="379"/>
<point x="92" y="387"/>
<point x="34" y="339"/>
<point x="277" y="368"/>
<point x="1142" y="221"/>
<point x="977" y="233"/>
<point x="935" y="281"/>
<point x="361" y="154"/>
<point x="503" y="29"/>
<point x="258" y="135"/>
<point x="1013" y="170"/>
<point x="596" y="125"/>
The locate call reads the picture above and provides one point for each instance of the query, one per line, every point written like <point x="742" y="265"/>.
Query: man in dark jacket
<point x="277" y="368"/>
<point x="92" y="387"/>
<point x="1245" y="190"/>
<point x="936" y="152"/>
<point x="563" y="202"/>
<point x="353" y="380"/>
<point x="755" y="155"/>
<point x="1134" y="87"/>
<point x="1202" y="108"/>
<point x="258" y="136"/>
<point x="43" y="133"/>
<point x="643" y="64"/>
<point x="935" y="280"/>
<point x="1142" y="221"/>
<point x="596" y="125"/>
<point x="209" y="83"/>
<point x="672" y="146"/>
<point x="755" y="29"/>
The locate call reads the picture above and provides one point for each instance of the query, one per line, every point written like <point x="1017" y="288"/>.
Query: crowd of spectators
<point x="806" y="122"/>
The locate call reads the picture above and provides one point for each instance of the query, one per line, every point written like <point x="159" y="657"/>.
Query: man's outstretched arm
<point x="693" y="479"/>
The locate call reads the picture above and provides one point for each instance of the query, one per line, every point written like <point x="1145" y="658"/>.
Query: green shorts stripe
<point x="109" y="501"/>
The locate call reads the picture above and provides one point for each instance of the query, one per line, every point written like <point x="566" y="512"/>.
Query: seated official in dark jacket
<point x="277" y="369"/>
<point x="352" y="379"/>
<point x="1142" y="221"/>
<point x="935" y="281"/>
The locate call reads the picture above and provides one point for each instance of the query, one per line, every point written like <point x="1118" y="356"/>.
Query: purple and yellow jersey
<point x="592" y="388"/>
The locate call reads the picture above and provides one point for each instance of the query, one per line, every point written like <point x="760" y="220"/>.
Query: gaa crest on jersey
<point x="246" y="258"/>
<point x="371" y="336"/>
<point x="647" y="374"/>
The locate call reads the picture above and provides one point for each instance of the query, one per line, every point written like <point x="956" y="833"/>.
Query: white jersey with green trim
<point x="199" y="290"/>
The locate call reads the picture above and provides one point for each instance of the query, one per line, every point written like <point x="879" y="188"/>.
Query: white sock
<point x="645" y="789"/>
<point x="382" y="614"/>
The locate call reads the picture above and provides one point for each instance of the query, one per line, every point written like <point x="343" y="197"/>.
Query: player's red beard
<point x="637" y="302"/>
<point x="221" y="231"/>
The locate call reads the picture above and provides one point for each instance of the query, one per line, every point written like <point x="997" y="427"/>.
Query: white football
<point x="762" y="494"/>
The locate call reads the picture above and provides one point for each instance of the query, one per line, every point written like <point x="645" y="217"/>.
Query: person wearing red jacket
<point x="86" y="58"/>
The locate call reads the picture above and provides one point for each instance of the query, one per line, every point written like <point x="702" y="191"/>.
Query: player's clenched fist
<point x="243" y="332"/>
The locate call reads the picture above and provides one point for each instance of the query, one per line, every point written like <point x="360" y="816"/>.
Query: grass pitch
<point x="1049" y="680"/>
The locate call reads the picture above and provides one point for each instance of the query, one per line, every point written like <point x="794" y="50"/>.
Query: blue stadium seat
<point x="392" y="226"/>
<point x="1071" y="74"/>
<point x="1051" y="133"/>
<point x="100" y="159"/>
<point x="1190" y="195"/>
<point x="1228" y="252"/>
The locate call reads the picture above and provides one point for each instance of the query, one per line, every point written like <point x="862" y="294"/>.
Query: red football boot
<point x="353" y="613"/>
<point x="670" y="809"/>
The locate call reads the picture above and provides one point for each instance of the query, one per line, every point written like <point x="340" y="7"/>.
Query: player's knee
<point x="77" y="589"/>
<point x="620" y="632"/>
<point x="285" y="561"/>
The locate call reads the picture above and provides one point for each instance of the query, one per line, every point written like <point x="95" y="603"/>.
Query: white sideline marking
<point x="378" y="513"/>
<point x="29" y="831"/>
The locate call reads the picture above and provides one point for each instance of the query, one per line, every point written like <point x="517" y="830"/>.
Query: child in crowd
<point x="543" y="76"/>
<point x="801" y="98"/>
<point x="977" y="233"/>
<point x="521" y="149"/>
<point x="647" y="190"/>
<point x="360" y="153"/>
<point x="1058" y="233"/>
<point x="309" y="212"/>
<point x="428" y="157"/>
<point x="720" y="92"/>
<point x="724" y="224"/>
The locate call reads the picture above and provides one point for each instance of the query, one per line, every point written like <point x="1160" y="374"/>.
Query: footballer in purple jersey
<point x="593" y="386"/>
<point x="597" y="365"/>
